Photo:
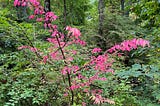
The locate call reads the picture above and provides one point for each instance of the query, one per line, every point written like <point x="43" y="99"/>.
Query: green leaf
<point x="136" y="67"/>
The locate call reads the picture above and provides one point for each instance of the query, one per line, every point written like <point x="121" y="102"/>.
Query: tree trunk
<point x="128" y="3"/>
<point x="64" y="12"/>
<point x="47" y="6"/>
<point x="101" y="7"/>
<point x="22" y="13"/>
<point x="122" y="6"/>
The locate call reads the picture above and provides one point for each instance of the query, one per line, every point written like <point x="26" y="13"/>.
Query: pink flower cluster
<point x="38" y="10"/>
<point x="96" y="50"/>
<point x="74" y="31"/>
<point x="33" y="49"/>
<point x="20" y="2"/>
<point x="50" y="16"/>
<point x="35" y="3"/>
<point x="98" y="99"/>
<point x="69" y="70"/>
<point x="129" y="45"/>
<point x="101" y="63"/>
<point x="75" y="34"/>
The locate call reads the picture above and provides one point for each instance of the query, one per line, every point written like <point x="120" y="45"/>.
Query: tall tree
<point x="64" y="12"/>
<point x="47" y="8"/>
<point x="101" y="6"/>
<point x="122" y="6"/>
<point x="22" y="13"/>
<point x="47" y="5"/>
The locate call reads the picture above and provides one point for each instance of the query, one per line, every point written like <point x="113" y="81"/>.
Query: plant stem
<point x="68" y="75"/>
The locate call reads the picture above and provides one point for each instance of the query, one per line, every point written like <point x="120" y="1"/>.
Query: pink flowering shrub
<point x="71" y="72"/>
<point x="129" y="45"/>
<point x="96" y="50"/>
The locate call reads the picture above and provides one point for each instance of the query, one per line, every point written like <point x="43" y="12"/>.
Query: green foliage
<point x="116" y="28"/>
<point x="133" y="86"/>
<point x="113" y="5"/>
<point x="147" y="12"/>
<point x="153" y="53"/>
<point x="25" y="81"/>
<point x="76" y="11"/>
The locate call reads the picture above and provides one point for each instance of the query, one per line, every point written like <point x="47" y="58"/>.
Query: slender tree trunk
<point x="129" y="2"/>
<point x="101" y="7"/>
<point x="47" y="6"/>
<point x="22" y="13"/>
<point x="122" y="6"/>
<point x="64" y="13"/>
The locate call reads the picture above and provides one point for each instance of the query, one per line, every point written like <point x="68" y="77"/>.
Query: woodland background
<point x="103" y="23"/>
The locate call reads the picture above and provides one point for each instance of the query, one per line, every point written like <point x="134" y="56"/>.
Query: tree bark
<point x="101" y="7"/>
<point x="122" y="6"/>
<point x="128" y="3"/>
<point x="47" y="6"/>
<point x="22" y="13"/>
<point x="64" y="12"/>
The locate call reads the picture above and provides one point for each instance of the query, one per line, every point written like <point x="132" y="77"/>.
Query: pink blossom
<point x="75" y="68"/>
<point x="109" y="101"/>
<point x="142" y="42"/>
<point x="20" y="3"/>
<point x="33" y="49"/>
<point x="74" y="52"/>
<point x="117" y="47"/>
<point x="110" y="70"/>
<point x="31" y="16"/>
<point x="66" y="94"/>
<point x="93" y="78"/>
<point x="45" y="25"/>
<point x="54" y="27"/>
<point x="62" y="44"/>
<point x="73" y="87"/>
<point x="68" y="28"/>
<point x="100" y="63"/>
<point x="83" y="104"/>
<point x="52" y="40"/>
<point x="53" y="55"/>
<point x="35" y="3"/>
<point x="86" y="90"/>
<point x="96" y="50"/>
<point x="80" y="76"/>
<point x="50" y="16"/>
<point x="24" y="4"/>
<point x="129" y="45"/>
<point x="96" y="91"/>
<point x="45" y="59"/>
<point x="102" y="79"/>
<point x="98" y="99"/>
<point x="75" y="32"/>
<point x="39" y="19"/>
<point x="81" y="42"/>
<point x="54" y="33"/>
<point x="66" y="70"/>
<point x="69" y="59"/>
<point x="22" y="47"/>
<point x="16" y="2"/>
